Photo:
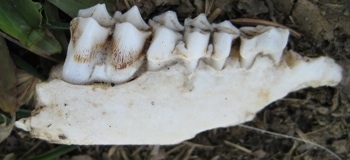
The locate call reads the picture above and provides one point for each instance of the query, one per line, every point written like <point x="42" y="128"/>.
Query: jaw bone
<point x="170" y="105"/>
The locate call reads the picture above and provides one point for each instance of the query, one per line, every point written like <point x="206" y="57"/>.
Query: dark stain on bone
<point x="75" y="32"/>
<point x="62" y="136"/>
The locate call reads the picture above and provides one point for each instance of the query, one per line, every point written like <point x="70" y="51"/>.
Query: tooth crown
<point x="106" y="49"/>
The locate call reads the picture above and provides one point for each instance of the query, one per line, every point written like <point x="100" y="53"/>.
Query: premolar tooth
<point x="165" y="38"/>
<point x="262" y="40"/>
<point x="196" y="41"/>
<point x="84" y="47"/>
<point x="99" y="13"/>
<point x="132" y="16"/>
<point x="125" y="52"/>
<point x="222" y="42"/>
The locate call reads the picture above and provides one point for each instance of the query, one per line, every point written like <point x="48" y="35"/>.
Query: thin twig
<point x="293" y="138"/>
<point x="238" y="147"/>
<point x="188" y="153"/>
<point x="250" y="21"/>
<point x="198" y="145"/>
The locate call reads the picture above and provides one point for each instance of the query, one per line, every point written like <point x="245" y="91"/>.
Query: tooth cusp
<point x="132" y="16"/>
<point x="99" y="13"/>
<point x="263" y="40"/>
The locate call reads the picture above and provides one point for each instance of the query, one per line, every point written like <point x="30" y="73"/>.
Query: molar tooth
<point x="222" y="39"/>
<point x="132" y="16"/>
<point x="262" y="40"/>
<point x="196" y="41"/>
<point x="84" y="47"/>
<point x="99" y="13"/>
<point x="125" y="56"/>
<point x="160" y="52"/>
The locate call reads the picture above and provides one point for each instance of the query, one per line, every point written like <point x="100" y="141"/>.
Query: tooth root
<point x="196" y="41"/>
<point x="263" y="40"/>
<point x="222" y="42"/>
<point x="84" y="47"/>
<point x="160" y="52"/>
<point x="125" y="52"/>
<point x="132" y="16"/>
<point x="99" y="13"/>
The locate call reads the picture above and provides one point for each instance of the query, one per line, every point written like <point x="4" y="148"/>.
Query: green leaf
<point x="21" y="19"/>
<point x="8" y="101"/>
<point x="55" y="153"/>
<point x="71" y="7"/>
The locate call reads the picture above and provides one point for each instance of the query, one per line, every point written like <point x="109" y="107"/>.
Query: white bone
<point x="169" y="106"/>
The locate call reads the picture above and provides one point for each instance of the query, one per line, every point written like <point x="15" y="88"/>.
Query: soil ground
<point x="320" y="115"/>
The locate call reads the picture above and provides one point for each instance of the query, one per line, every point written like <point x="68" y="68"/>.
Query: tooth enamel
<point x="196" y="41"/>
<point x="99" y="13"/>
<point x="165" y="105"/>
<point x="125" y="52"/>
<point x="132" y="16"/>
<point x="169" y="20"/>
<point x="222" y="42"/>
<point x="160" y="53"/>
<point x="84" y="49"/>
<point x="262" y="40"/>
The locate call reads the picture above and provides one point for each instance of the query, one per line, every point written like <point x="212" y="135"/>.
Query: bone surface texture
<point x="170" y="81"/>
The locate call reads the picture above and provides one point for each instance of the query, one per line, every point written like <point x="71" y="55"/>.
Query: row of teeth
<point x="111" y="49"/>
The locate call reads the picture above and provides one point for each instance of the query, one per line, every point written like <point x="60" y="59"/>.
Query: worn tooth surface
<point x="83" y="49"/>
<point x="99" y="13"/>
<point x="263" y="40"/>
<point x="225" y="33"/>
<point x="132" y="16"/>
<point x="169" y="19"/>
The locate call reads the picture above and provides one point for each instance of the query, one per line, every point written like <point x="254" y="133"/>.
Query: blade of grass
<point x="54" y="153"/>
<point x="23" y="65"/>
<point x="8" y="90"/>
<point x="71" y="7"/>
<point x="22" y="20"/>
